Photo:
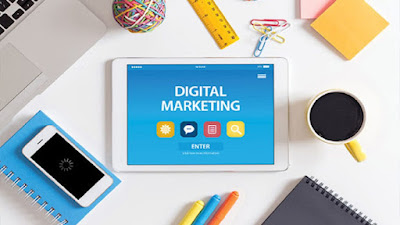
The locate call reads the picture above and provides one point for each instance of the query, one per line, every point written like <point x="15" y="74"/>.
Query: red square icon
<point x="212" y="129"/>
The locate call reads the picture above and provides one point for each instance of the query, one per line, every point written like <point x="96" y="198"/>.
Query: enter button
<point x="201" y="146"/>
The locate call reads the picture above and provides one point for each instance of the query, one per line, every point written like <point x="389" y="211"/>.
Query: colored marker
<point x="208" y="210"/>
<point x="192" y="213"/>
<point x="224" y="209"/>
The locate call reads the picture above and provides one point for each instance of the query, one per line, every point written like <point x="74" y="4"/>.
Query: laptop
<point x="39" y="40"/>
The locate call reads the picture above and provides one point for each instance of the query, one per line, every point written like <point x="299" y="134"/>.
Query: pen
<point x="224" y="209"/>
<point x="192" y="213"/>
<point x="208" y="210"/>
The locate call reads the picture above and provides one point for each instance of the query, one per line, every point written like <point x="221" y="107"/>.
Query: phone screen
<point x="69" y="167"/>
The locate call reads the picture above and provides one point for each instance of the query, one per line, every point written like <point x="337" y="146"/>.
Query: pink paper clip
<point x="269" y="22"/>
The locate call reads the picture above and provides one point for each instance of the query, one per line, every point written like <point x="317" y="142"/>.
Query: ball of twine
<point x="139" y="16"/>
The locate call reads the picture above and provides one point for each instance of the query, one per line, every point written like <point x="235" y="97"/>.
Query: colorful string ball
<point x="139" y="16"/>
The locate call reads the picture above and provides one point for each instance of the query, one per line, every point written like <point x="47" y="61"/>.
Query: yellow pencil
<point x="192" y="213"/>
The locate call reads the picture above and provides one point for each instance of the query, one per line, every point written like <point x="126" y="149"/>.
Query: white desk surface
<point x="80" y="102"/>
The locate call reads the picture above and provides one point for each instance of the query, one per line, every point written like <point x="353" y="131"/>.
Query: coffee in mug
<point x="338" y="117"/>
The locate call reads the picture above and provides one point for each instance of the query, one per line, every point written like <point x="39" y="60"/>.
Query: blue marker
<point x="207" y="210"/>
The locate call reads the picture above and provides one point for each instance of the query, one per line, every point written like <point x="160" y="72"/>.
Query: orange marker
<point x="224" y="209"/>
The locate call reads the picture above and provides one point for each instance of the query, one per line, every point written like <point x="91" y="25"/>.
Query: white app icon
<point x="188" y="129"/>
<point x="212" y="129"/>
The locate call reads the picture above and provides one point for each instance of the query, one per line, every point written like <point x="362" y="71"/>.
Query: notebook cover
<point x="11" y="156"/>
<point x="311" y="204"/>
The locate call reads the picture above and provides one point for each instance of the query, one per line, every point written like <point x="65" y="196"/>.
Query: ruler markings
<point x="215" y="22"/>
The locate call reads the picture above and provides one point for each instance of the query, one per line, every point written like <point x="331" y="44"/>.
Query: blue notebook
<point x="33" y="182"/>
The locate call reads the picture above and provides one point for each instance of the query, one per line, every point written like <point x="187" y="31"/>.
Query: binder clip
<point x="270" y="30"/>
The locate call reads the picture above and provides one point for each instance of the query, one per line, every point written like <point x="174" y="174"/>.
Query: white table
<point x="80" y="102"/>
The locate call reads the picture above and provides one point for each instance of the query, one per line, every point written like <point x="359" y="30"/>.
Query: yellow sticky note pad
<point x="349" y="25"/>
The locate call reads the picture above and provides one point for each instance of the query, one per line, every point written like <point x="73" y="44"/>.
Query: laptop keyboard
<point x="11" y="12"/>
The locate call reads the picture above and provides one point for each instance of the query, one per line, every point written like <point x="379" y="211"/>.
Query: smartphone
<point x="67" y="166"/>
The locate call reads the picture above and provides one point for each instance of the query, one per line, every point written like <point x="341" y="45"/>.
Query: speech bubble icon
<point x="188" y="129"/>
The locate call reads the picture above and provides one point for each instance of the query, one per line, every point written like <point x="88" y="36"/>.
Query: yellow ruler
<point x="215" y="22"/>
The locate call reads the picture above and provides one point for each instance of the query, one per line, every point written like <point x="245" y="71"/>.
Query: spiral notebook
<point x="310" y="203"/>
<point x="28" y="180"/>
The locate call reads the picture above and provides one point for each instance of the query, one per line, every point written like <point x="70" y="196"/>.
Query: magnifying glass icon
<point x="236" y="129"/>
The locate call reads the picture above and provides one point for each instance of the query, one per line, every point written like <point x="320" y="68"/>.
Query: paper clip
<point x="270" y="30"/>
<point x="282" y="28"/>
<point x="269" y="22"/>
<point x="262" y="29"/>
<point x="260" y="45"/>
<point x="278" y="38"/>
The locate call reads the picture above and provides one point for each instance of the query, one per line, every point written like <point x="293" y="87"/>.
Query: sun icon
<point x="165" y="129"/>
<point x="66" y="165"/>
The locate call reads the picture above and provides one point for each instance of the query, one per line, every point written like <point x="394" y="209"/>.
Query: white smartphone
<point x="67" y="166"/>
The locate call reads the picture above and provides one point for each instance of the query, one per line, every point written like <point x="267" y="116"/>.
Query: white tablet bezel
<point x="119" y="115"/>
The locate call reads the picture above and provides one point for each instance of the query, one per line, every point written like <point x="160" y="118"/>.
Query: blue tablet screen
<point x="200" y="114"/>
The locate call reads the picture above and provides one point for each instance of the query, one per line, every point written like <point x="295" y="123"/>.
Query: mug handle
<point x="354" y="148"/>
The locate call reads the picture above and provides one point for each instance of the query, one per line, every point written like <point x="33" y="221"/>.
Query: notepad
<point x="28" y="180"/>
<point x="349" y="25"/>
<point x="311" y="9"/>
<point x="312" y="203"/>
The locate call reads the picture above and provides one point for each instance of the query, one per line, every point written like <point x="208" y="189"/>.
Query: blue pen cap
<point x="210" y="207"/>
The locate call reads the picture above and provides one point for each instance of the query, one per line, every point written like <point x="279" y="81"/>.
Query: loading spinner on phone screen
<point x="70" y="168"/>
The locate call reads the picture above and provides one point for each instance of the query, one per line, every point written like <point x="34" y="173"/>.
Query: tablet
<point x="200" y="114"/>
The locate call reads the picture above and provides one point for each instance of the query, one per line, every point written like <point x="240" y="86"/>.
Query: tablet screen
<point x="200" y="114"/>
